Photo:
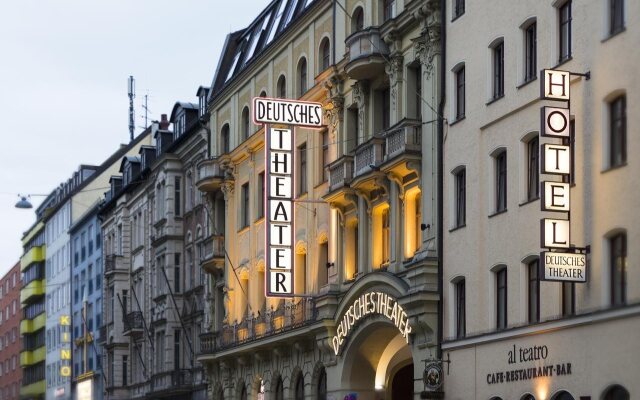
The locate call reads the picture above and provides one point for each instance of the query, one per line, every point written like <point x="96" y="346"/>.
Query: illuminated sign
<point x="84" y="390"/>
<point x="65" y="352"/>
<point x="554" y="84"/>
<point x="280" y="185"/>
<point x="563" y="267"/>
<point x="368" y="304"/>
<point x="556" y="160"/>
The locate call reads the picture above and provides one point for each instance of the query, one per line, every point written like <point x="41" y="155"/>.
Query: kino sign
<point x="558" y="264"/>
<point x="280" y="117"/>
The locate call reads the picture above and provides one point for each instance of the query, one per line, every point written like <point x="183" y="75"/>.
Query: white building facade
<point x="507" y="333"/>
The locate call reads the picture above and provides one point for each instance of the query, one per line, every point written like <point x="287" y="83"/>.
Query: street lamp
<point x="24" y="203"/>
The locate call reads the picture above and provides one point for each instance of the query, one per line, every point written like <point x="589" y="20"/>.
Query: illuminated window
<point x="564" y="43"/>
<point x="386" y="236"/>
<point x="618" y="268"/>
<point x="534" y="292"/>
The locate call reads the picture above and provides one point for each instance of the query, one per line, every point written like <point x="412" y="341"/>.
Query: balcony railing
<point x="172" y="380"/>
<point x="407" y="137"/>
<point x="113" y="263"/>
<point x="369" y="154"/>
<point x="133" y="323"/>
<point x="210" y="175"/>
<point x="212" y="253"/>
<point x="340" y="172"/>
<point x="367" y="52"/>
<point x="282" y="319"/>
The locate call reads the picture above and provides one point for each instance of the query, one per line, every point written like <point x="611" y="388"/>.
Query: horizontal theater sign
<point x="280" y="117"/>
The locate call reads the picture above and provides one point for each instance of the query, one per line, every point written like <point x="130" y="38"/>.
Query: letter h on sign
<point x="554" y="85"/>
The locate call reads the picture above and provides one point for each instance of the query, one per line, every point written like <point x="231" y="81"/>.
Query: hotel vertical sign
<point x="562" y="262"/>
<point x="280" y="117"/>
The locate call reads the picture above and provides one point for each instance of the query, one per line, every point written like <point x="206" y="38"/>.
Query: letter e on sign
<point x="555" y="85"/>
<point x="555" y="196"/>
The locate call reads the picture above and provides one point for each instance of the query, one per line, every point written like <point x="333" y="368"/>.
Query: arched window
<point x="302" y="77"/>
<point x="616" y="392"/>
<point x="245" y="123"/>
<point x="528" y="397"/>
<point x="299" y="388"/>
<point x="563" y="395"/>
<point x="357" y="20"/>
<point x="282" y="87"/>
<point x="322" y="386"/>
<point x="224" y="139"/>
<point x="263" y="94"/>
<point x="279" y="395"/>
<point x="325" y="54"/>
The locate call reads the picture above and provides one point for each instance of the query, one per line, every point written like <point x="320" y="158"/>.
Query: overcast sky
<point x="64" y="66"/>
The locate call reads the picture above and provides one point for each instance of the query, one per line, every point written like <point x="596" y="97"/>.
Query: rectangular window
<point x="501" y="182"/>
<point x="177" y="196"/>
<point x="386" y="108"/>
<point x="460" y="309"/>
<point x="533" y="175"/>
<point x="176" y="349"/>
<point x="125" y="367"/>
<point x="461" y="197"/>
<point x="245" y="206"/>
<point x="618" y="132"/>
<point x="458" y="8"/>
<point x="530" y="53"/>
<point x="617" y="16"/>
<point x="565" y="32"/>
<point x="498" y="70"/>
<point x="389" y="9"/>
<point x="618" y="265"/>
<point x="302" y="169"/>
<point x="176" y="273"/>
<point x="260" y="196"/>
<point x="534" y="292"/>
<point x="460" y="93"/>
<point x="501" y="298"/>
<point x="325" y="156"/>
<point x="568" y="298"/>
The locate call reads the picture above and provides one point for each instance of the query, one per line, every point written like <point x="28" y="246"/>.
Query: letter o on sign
<point x="557" y="122"/>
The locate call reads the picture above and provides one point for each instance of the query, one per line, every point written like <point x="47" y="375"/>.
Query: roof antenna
<point x="145" y="107"/>
<point x="132" y="95"/>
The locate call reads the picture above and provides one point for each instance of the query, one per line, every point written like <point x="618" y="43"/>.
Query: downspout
<point x="440" y="161"/>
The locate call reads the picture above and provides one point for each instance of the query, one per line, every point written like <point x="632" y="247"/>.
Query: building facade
<point x="154" y="225"/>
<point x="33" y="318"/>
<point x="86" y="301"/>
<point x="508" y="333"/>
<point x="10" y="338"/>
<point x="364" y="316"/>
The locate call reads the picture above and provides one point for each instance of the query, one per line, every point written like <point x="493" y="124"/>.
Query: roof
<point x="244" y="46"/>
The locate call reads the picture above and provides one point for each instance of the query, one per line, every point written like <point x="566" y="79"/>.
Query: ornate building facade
<point x="364" y="316"/>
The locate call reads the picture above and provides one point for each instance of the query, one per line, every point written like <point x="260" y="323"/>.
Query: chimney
<point x="164" y="122"/>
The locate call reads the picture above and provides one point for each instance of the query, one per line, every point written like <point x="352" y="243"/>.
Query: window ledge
<point x="244" y="229"/>
<point x="613" y="168"/>
<point x="498" y="213"/>
<point x="614" y="34"/>
<point x="563" y="61"/>
<point x="534" y="199"/>
<point x="494" y="99"/>
<point x="457" y="227"/>
<point x="457" y="120"/>
<point x="526" y="82"/>
<point x="260" y="219"/>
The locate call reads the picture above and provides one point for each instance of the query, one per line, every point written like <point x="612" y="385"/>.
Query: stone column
<point x="360" y="92"/>
<point x="395" y="70"/>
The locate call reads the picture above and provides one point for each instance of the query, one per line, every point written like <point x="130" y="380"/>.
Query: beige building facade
<point x="508" y="334"/>
<point x="364" y="316"/>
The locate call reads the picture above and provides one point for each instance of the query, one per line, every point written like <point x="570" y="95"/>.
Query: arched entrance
<point x="378" y="363"/>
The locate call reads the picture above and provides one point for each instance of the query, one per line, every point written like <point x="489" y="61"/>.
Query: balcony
<point x="35" y="254"/>
<point x="114" y="263"/>
<point x="33" y="290"/>
<point x="210" y="175"/>
<point x="403" y="144"/>
<point x="287" y="317"/>
<point x="172" y="383"/>
<point x="34" y="390"/>
<point x="212" y="254"/>
<point x="133" y="324"/>
<point x="340" y="173"/>
<point x="32" y="325"/>
<point x="32" y="357"/>
<point x="367" y="54"/>
<point x="368" y="156"/>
